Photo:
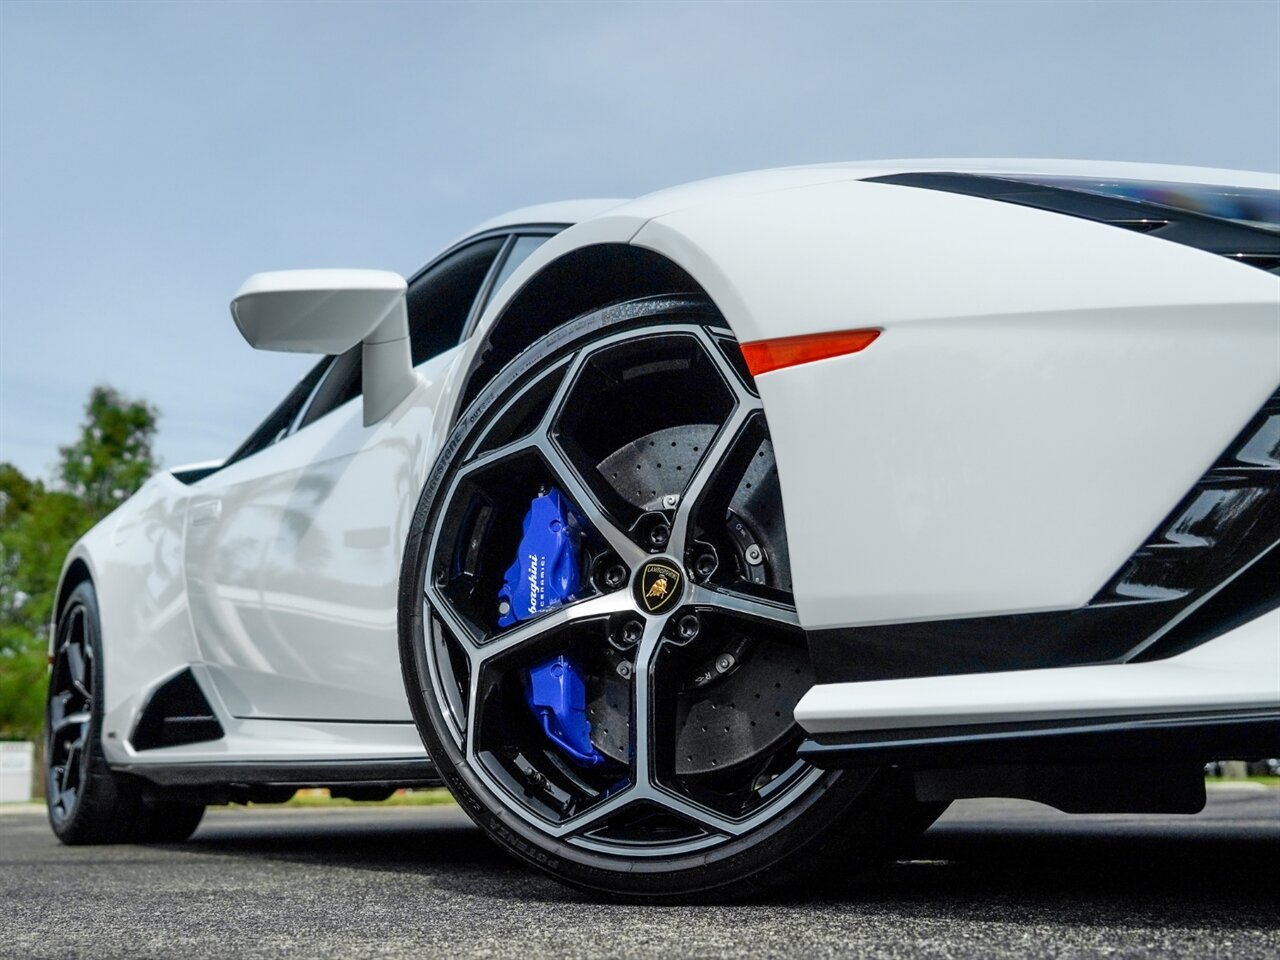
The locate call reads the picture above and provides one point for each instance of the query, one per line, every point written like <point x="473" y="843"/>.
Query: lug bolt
<point x="688" y="626"/>
<point x="659" y="534"/>
<point x="705" y="565"/>
<point x="614" y="576"/>
<point x="632" y="631"/>
<point x="754" y="555"/>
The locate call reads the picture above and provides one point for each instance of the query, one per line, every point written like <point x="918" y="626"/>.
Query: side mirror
<point x="329" y="312"/>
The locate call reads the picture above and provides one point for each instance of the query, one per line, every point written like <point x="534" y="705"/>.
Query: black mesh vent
<point x="1228" y="522"/>
<point x="177" y="713"/>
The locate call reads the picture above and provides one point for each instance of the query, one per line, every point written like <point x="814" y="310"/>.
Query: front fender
<point x="134" y="558"/>
<point x="1044" y="391"/>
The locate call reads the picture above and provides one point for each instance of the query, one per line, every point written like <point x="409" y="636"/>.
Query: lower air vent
<point x="1227" y="522"/>
<point x="177" y="713"/>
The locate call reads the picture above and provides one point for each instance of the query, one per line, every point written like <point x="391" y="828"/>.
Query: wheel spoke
<point x="710" y="468"/>
<point x="731" y="376"/>
<point x="78" y="718"/>
<point x="740" y="604"/>
<point x="642" y="702"/>
<point x="491" y="457"/>
<point x="555" y="619"/>
<point x="588" y="504"/>
<point x="75" y="665"/>
<point x="57" y="709"/>
<point x="642" y="784"/>
<point x="72" y="762"/>
<point x="592" y="816"/>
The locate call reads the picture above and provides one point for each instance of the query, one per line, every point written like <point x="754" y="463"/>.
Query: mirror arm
<point x="387" y="364"/>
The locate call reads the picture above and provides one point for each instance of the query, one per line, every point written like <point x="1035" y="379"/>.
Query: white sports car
<point x="705" y="537"/>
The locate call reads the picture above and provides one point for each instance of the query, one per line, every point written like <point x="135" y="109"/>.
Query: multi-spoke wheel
<point x="597" y="631"/>
<point x="87" y="802"/>
<point x="71" y="703"/>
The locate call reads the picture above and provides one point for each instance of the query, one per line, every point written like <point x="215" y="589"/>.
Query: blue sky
<point x="152" y="155"/>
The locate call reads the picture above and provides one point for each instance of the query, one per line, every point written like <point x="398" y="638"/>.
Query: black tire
<point x="86" y="801"/>
<point x="830" y="820"/>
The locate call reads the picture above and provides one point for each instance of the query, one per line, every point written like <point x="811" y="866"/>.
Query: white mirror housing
<point x="329" y="312"/>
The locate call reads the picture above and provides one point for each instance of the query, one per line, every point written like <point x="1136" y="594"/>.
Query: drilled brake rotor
<point x="748" y="710"/>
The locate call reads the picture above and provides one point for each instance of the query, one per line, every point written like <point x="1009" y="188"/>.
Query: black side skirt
<point x="1196" y="737"/>
<point x="409" y="772"/>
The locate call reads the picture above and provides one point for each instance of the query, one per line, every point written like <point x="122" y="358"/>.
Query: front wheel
<point x="597" y="630"/>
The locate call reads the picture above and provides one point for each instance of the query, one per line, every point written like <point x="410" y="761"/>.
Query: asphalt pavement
<point x="993" y="878"/>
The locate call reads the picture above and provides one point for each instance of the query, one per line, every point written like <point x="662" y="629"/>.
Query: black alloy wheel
<point x="680" y="626"/>
<point x="87" y="802"/>
<point x="70" y="711"/>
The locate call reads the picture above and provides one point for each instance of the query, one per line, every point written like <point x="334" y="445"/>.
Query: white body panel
<point x="1239" y="670"/>
<point x="1045" y="389"/>
<point x="293" y="561"/>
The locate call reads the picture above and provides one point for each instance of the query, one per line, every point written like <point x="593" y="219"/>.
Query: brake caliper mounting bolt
<point x="755" y="556"/>
<point x="624" y="670"/>
<point x="725" y="663"/>
<point x="670" y="500"/>
<point x="688" y="626"/>
<point x="659" y="534"/>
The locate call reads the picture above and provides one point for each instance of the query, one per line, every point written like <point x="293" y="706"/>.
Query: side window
<point x="278" y="422"/>
<point x="440" y="299"/>
<point x="343" y="383"/>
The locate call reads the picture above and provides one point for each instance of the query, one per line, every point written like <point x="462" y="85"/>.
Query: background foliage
<point x="39" y="522"/>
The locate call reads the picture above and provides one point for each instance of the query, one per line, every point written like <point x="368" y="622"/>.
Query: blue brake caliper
<point x="546" y="573"/>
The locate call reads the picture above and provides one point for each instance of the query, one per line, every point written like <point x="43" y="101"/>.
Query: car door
<point x="293" y="551"/>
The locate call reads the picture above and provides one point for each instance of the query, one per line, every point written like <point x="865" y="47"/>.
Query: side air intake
<point x="177" y="713"/>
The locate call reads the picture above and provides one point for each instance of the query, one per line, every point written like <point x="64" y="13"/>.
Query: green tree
<point x="113" y="455"/>
<point x="38" y="525"/>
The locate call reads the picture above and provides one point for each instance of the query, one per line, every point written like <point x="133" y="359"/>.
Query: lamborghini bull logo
<point x="658" y="586"/>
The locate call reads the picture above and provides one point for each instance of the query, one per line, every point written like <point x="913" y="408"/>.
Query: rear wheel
<point x="87" y="802"/>
<point x="598" y="635"/>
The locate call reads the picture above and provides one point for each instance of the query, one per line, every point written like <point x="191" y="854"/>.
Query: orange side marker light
<point x="763" y="356"/>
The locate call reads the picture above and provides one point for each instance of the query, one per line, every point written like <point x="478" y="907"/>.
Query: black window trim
<point x="263" y="436"/>
<point x="495" y="269"/>
<point x="294" y="427"/>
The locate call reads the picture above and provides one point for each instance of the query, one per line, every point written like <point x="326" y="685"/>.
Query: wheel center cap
<point x="658" y="585"/>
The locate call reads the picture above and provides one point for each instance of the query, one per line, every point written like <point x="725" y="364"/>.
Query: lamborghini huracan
<point x="696" y="540"/>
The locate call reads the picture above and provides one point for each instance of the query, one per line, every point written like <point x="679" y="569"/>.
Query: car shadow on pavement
<point x="1093" y="872"/>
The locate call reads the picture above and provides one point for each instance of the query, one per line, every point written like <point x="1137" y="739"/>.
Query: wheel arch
<point x="76" y="572"/>
<point x="583" y="279"/>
